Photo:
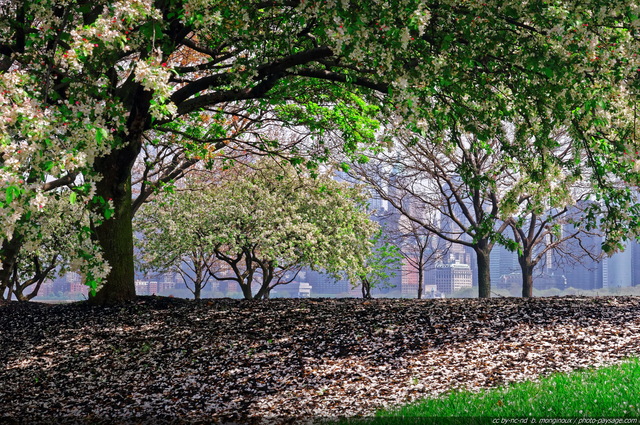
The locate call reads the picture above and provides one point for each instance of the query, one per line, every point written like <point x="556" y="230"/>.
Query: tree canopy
<point x="262" y="225"/>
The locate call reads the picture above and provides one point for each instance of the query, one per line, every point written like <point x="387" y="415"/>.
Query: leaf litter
<point x="163" y="360"/>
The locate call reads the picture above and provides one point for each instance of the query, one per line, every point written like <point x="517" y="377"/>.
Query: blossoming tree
<point x="83" y="85"/>
<point x="49" y="247"/>
<point x="262" y="225"/>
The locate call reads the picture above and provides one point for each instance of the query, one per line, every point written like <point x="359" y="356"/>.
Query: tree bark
<point x="197" y="283"/>
<point x="526" y="268"/>
<point x="115" y="237"/>
<point x="262" y="292"/>
<point x="484" y="271"/>
<point x="366" y="289"/>
<point x="267" y="277"/>
<point x="10" y="250"/>
<point x="420" y="279"/>
<point x="246" y="290"/>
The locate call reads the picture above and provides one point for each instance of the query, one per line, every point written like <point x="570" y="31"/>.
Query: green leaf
<point x="48" y="165"/>
<point x="11" y="193"/>
<point x="101" y="134"/>
<point x="72" y="198"/>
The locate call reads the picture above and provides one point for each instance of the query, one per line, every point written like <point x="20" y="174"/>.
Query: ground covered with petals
<point x="162" y="360"/>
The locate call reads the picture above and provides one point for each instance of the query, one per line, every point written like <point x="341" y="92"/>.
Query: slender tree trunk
<point x="34" y="293"/>
<point x="366" y="289"/>
<point x="526" y="268"/>
<point x="197" y="283"/>
<point x="484" y="272"/>
<point x="420" y="280"/>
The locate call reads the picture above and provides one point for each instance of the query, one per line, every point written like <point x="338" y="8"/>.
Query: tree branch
<point x="341" y="78"/>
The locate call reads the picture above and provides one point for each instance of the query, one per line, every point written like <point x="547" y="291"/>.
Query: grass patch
<point x="606" y="392"/>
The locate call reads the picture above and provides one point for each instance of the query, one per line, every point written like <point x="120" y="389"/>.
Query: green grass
<point x="606" y="392"/>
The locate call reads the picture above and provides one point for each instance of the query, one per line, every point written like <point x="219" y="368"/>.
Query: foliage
<point x="174" y="240"/>
<point x="381" y="264"/>
<point x="84" y="85"/>
<point x="50" y="245"/>
<point x="263" y="225"/>
<point x="449" y="187"/>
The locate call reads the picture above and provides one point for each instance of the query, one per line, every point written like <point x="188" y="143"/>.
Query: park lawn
<point x="605" y="392"/>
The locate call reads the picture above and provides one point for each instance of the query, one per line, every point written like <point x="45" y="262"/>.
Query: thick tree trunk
<point x="9" y="252"/>
<point x="246" y="291"/>
<point x="263" y="293"/>
<point x="267" y="277"/>
<point x="115" y="237"/>
<point x="484" y="272"/>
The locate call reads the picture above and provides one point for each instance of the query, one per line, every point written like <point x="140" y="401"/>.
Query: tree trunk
<point x="366" y="289"/>
<point x="115" y="235"/>
<point x="264" y="293"/>
<point x="484" y="272"/>
<point x="267" y="277"/>
<point x="9" y="252"/>
<point x="246" y="290"/>
<point x="527" y="274"/>
<point x="420" y="280"/>
<point x="197" y="283"/>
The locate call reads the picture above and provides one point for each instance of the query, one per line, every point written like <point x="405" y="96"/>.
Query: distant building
<point x="502" y="262"/>
<point x="453" y="277"/>
<point x="46" y="290"/>
<point x="635" y="263"/>
<point x="76" y="285"/>
<point x="141" y="287"/>
<point x="304" y="290"/>
<point x="409" y="280"/>
<point x="549" y="281"/>
<point x="324" y="284"/>
<point x="588" y="274"/>
<point x="620" y="269"/>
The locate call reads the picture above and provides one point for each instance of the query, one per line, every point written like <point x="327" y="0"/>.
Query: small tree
<point x="381" y="265"/>
<point x="451" y="188"/>
<point x="418" y="248"/>
<point x="42" y="248"/>
<point x="539" y="234"/>
<point x="264" y="224"/>
<point x="173" y="239"/>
